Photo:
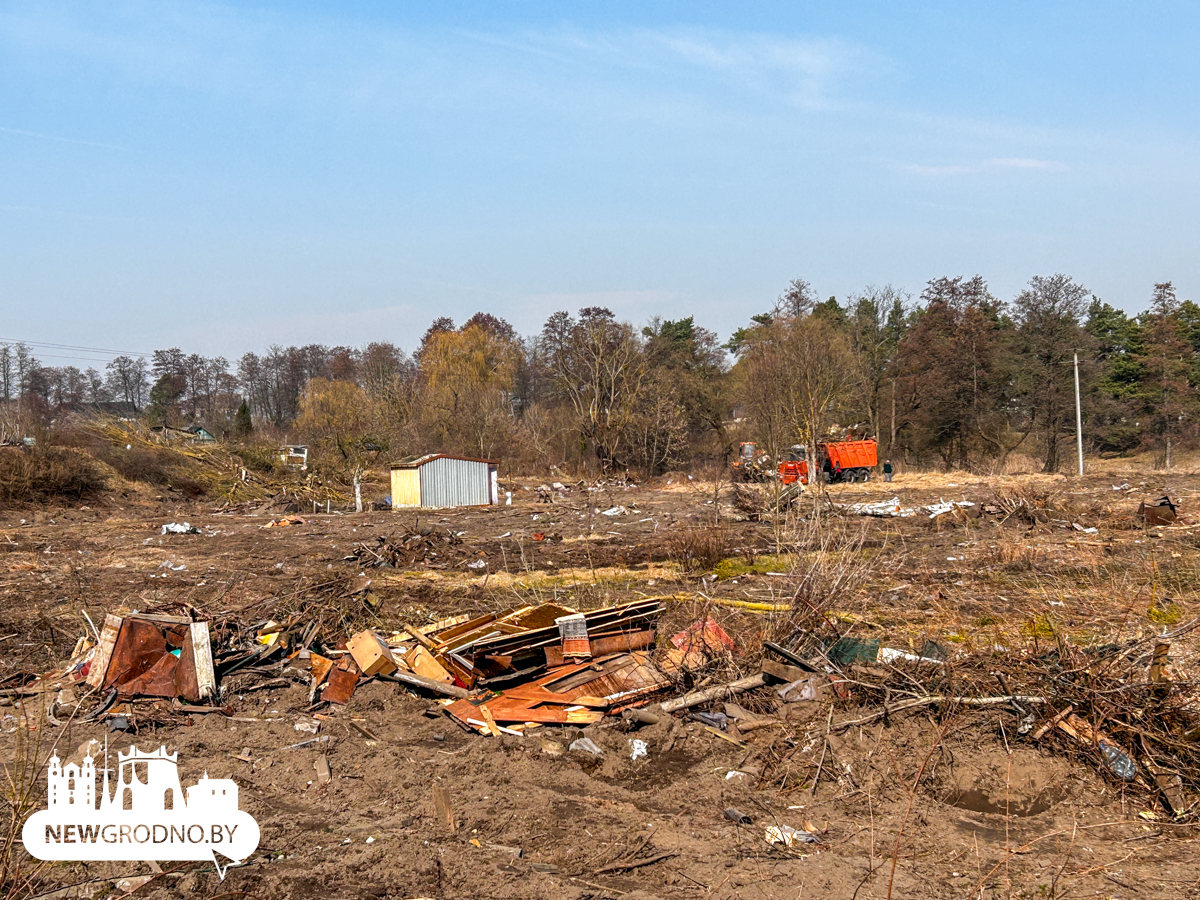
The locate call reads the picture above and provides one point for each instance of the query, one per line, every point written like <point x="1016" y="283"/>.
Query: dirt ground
<point x="904" y="806"/>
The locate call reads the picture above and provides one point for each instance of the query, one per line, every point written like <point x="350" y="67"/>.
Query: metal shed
<point x="439" y="480"/>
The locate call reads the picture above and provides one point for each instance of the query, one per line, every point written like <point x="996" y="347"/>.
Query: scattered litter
<point x="798" y="690"/>
<point x="733" y="814"/>
<point x="942" y="507"/>
<point x="478" y="565"/>
<point x="177" y="528"/>
<point x="1119" y="761"/>
<point x="891" y="654"/>
<point x="586" y="745"/>
<point x="1160" y="512"/>
<point x="614" y="511"/>
<point x="789" y="836"/>
<point x="638" y="749"/>
<point x="882" y="509"/>
<point x="284" y="522"/>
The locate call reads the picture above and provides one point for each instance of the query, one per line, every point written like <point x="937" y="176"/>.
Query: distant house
<point x="439" y="480"/>
<point x="193" y="434"/>
<point x="200" y="434"/>
<point x="294" y="456"/>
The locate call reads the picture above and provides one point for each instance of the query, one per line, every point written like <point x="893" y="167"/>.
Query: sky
<point x="222" y="177"/>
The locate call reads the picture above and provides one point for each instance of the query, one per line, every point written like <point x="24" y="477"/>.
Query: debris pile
<point x="1126" y="708"/>
<point x="425" y="545"/>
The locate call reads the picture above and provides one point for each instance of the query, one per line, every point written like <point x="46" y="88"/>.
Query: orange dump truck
<point x="842" y="460"/>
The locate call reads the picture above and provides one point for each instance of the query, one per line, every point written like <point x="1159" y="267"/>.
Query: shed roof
<point x="415" y="462"/>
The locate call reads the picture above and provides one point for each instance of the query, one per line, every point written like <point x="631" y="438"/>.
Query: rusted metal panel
<point x="343" y="678"/>
<point x="161" y="656"/>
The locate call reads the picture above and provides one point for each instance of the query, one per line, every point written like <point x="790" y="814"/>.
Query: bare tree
<point x="597" y="365"/>
<point x="128" y="380"/>
<point x="798" y="372"/>
<point x="1048" y="314"/>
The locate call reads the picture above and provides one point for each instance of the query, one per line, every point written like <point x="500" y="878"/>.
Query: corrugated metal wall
<point x="454" y="482"/>
<point x="406" y="488"/>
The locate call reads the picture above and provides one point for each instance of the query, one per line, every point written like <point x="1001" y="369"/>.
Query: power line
<point x="74" y="347"/>
<point x="93" y="359"/>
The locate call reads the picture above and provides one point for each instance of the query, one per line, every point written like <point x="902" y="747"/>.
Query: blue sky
<point x="221" y="177"/>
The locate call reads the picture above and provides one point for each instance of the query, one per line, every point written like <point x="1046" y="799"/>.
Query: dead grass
<point x="20" y="794"/>
<point x="699" y="547"/>
<point x="41" y="474"/>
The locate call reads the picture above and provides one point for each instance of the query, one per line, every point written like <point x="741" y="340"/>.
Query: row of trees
<point x="956" y="376"/>
<point x="965" y="379"/>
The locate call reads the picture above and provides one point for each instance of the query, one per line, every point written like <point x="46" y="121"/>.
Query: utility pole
<point x="1078" y="417"/>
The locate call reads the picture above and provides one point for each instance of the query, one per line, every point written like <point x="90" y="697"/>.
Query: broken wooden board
<point x="443" y="810"/>
<point x="603" y="645"/>
<point x="371" y="653"/>
<point x="98" y="667"/>
<point x="423" y="663"/>
<point x="518" y="711"/>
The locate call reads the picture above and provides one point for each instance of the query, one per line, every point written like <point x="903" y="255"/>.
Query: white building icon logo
<point x="144" y="816"/>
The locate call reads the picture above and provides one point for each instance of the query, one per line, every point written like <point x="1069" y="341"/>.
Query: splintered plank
<point x="503" y="710"/>
<point x="202" y="661"/>
<point x="442" y="809"/>
<point x="535" y="694"/>
<point x="423" y="663"/>
<point x="103" y="654"/>
<point x="493" y="728"/>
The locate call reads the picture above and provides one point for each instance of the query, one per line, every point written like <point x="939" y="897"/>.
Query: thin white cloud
<point x="1019" y="162"/>
<point x="61" y="140"/>
<point x="986" y="165"/>
<point x="806" y="71"/>
<point x="936" y="171"/>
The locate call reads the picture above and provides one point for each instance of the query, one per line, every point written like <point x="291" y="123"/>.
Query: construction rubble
<point x="1126" y="708"/>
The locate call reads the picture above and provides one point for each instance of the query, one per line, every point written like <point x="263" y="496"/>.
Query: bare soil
<point x="920" y="805"/>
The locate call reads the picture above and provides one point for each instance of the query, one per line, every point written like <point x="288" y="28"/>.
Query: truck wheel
<point x="866" y="474"/>
<point x="850" y="476"/>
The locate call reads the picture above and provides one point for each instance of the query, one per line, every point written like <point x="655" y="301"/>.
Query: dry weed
<point x="700" y="547"/>
<point x="830" y="566"/>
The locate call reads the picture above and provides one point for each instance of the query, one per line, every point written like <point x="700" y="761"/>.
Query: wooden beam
<point x="713" y="693"/>
<point x="428" y="684"/>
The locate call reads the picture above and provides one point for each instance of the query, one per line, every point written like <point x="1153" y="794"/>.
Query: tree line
<point x="953" y="377"/>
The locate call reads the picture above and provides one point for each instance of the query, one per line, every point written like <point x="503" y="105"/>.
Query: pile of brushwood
<point x="1127" y="708"/>
<point x="421" y="545"/>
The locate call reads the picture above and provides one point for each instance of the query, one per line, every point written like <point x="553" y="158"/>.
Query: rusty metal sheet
<point x="340" y="686"/>
<point x="141" y="661"/>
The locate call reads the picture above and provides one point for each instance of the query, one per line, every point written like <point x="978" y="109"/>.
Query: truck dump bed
<point x="853" y="454"/>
